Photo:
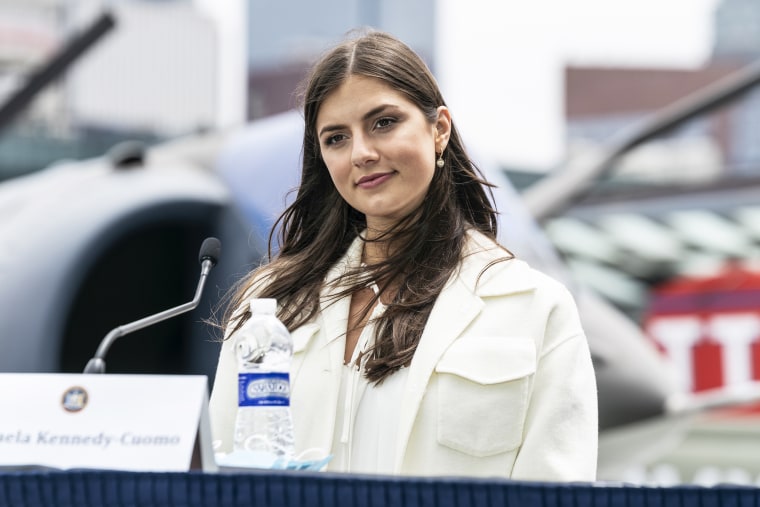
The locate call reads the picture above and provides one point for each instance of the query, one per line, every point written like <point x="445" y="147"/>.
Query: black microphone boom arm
<point x="208" y="257"/>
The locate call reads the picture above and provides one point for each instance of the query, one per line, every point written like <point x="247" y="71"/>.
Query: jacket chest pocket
<point x="483" y="391"/>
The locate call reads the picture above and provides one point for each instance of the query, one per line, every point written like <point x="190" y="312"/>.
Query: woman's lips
<point x="373" y="180"/>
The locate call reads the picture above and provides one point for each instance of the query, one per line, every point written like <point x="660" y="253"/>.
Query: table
<point x="307" y="489"/>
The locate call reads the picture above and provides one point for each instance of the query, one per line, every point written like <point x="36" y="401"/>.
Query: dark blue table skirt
<point x="301" y="489"/>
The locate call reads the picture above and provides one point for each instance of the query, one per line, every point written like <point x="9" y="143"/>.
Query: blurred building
<point x="603" y="102"/>
<point x="679" y="205"/>
<point x="152" y="77"/>
<point x="737" y="30"/>
<point x="157" y="75"/>
<point x="285" y="40"/>
<point x="28" y="35"/>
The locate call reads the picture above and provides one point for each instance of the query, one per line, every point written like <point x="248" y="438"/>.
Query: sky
<point x="500" y="63"/>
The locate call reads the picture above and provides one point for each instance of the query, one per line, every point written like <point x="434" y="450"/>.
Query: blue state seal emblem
<point x="74" y="399"/>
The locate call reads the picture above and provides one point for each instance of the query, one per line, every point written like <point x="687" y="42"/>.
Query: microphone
<point x="208" y="256"/>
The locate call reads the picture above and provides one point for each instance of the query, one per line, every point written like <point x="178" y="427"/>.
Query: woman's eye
<point x="384" y="123"/>
<point x="334" y="139"/>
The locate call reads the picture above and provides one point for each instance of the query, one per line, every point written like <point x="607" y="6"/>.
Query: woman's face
<point x="379" y="148"/>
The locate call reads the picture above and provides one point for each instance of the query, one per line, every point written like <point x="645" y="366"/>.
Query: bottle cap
<point x="263" y="306"/>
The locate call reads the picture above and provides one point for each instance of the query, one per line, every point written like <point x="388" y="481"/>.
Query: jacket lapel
<point x="321" y="376"/>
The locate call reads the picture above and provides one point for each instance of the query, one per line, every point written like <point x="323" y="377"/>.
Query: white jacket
<point x="501" y="383"/>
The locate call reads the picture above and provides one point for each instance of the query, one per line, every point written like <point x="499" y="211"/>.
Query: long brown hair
<point x="318" y="227"/>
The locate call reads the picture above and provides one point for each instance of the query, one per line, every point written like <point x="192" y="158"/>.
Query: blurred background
<point x="666" y="233"/>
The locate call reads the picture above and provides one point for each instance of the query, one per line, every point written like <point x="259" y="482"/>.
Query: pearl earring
<point x="439" y="163"/>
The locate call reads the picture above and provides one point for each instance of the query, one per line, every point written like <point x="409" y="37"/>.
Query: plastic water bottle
<point x="264" y="351"/>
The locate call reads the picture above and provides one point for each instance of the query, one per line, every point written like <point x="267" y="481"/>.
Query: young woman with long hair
<point x="422" y="346"/>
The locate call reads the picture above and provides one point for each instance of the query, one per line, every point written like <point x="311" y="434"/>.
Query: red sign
<point x="709" y="327"/>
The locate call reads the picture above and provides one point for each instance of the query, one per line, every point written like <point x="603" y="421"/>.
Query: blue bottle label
<point x="263" y="389"/>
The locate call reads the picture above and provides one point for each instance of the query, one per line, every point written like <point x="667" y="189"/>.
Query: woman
<point x="421" y="345"/>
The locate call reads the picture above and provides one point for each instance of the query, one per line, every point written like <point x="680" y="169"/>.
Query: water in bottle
<point x="264" y="351"/>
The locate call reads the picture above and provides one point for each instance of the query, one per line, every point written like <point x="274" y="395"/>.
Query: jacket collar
<point x="461" y="297"/>
<point x="335" y="311"/>
<point x="504" y="276"/>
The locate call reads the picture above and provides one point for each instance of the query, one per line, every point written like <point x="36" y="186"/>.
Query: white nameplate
<point x="113" y="422"/>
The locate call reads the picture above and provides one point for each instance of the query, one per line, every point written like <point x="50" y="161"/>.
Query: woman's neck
<point x="376" y="244"/>
<point x="374" y="252"/>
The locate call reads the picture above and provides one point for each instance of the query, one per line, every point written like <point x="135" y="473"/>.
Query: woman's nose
<point x="362" y="152"/>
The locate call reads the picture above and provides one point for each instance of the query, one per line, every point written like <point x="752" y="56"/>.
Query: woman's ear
<point x="442" y="128"/>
